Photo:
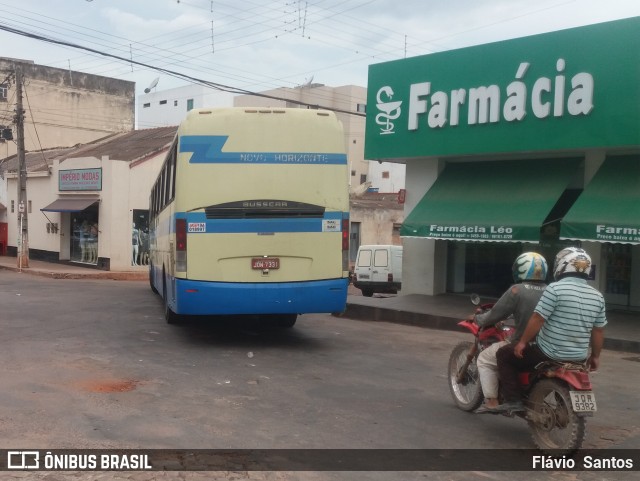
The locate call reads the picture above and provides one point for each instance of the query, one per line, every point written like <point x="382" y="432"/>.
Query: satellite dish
<point x="361" y="189"/>
<point x="152" y="85"/>
<point x="307" y="82"/>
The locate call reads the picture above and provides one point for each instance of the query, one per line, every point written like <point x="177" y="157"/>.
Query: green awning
<point x="608" y="210"/>
<point x="505" y="201"/>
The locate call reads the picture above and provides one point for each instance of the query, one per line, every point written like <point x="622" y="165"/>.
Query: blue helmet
<point x="529" y="266"/>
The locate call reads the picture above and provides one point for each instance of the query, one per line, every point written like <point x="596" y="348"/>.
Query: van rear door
<point x="380" y="266"/>
<point x="363" y="265"/>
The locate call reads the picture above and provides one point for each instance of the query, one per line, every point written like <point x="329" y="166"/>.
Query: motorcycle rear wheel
<point x="466" y="394"/>
<point x="555" y="426"/>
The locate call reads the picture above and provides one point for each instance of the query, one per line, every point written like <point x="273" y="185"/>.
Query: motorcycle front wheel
<point x="554" y="425"/>
<point x="467" y="394"/>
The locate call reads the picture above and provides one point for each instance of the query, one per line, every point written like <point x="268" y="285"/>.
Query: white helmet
<point x="572" y="260"/>
<point x="529" y="266"/>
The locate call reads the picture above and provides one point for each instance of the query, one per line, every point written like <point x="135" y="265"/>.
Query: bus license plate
<point x="265" y="263"/>
<point x="583" y="401"/>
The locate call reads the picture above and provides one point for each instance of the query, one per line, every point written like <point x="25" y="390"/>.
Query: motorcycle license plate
<point x="583" y="401"/>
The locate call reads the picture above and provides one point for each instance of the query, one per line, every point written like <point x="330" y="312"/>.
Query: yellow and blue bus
<point x="250" y="215"/>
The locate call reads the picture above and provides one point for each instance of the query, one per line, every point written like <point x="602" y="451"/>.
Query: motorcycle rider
<point x="569" y="319"/>
<point x="529" y="274"/>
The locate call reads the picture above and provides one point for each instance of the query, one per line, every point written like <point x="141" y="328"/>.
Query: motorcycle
<point x="558" y="395"/>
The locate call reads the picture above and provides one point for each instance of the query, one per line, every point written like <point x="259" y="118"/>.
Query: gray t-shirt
<point x="519" y="300"/>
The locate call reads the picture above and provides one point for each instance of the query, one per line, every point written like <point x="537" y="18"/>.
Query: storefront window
<point x="140" y="238"/>
<point x="84" y="235"/>
<point x="488" y="267"/>
<point x="618" y="259"/>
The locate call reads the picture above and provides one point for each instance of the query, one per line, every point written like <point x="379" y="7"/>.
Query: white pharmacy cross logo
<point x="389" y="110"/>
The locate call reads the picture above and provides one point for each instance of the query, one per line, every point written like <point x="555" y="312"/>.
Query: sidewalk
<point x="434" y="312"/>
<point x="446" y="310"/>
<point x="56" y="270"/>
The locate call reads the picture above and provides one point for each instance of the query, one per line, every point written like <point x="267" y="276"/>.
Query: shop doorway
<point x="140" y="238"/>
<point x="85" y="235"/>
<point x="617" y="259"/>
<point x="488" y="267"/>
<point x="354" y="242"/>
<point x="4" y="236"/>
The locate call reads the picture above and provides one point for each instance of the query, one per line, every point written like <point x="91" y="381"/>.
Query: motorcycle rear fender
<point x="578" y="380"/>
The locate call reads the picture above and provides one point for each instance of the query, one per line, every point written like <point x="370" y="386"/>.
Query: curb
<point x="446" y="323"/>
<point x="106" y="275"/>
<point x="396" y="316"/>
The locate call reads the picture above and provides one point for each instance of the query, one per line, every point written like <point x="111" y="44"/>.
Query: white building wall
<point x="125" y="187"/>
<point x="38" y="191"/>
<point x="425" y="260"/>
<point x="116" y="207"/>
<point x="390" y="183"/>
<point x="165" y="108"/>
<point x="4" y="198"/>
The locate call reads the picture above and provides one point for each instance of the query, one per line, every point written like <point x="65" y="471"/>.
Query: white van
<point x="378" y="269"/>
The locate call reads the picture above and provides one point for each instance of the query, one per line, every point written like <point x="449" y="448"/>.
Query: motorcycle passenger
<point x="529" y="274"/>
<point x="569" y="319"/>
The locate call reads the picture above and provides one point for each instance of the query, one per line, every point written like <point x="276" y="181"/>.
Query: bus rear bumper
<point x="213" y="298"/>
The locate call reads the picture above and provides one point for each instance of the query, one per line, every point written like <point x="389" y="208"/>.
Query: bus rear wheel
<point x="153" y="288"/>
<point x="286" y="321"/>
<point x="170" y="316"/>
<point x="279" y="321"/>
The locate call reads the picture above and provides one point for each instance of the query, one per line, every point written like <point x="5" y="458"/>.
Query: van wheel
<point x="367" y="292"/>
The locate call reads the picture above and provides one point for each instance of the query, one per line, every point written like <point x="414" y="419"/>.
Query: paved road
<point x="92" y="364"/>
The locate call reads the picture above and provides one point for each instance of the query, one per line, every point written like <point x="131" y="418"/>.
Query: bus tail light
<point x="181" y="245"/>
<point x="345" y="244"/>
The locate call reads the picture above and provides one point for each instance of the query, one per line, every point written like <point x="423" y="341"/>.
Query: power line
<point x="145" y="49"/>
<point x="217" y="86"/>
<point x="254" y="23"/>
<point x="195" y="49"/>
<point x="163" y="56"/>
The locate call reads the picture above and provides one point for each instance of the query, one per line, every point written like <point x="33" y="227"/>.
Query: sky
<point x="256" y="45"/>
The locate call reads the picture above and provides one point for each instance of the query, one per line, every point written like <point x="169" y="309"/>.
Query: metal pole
<point x="23" y="254"/>
<point x="20" y="246"/>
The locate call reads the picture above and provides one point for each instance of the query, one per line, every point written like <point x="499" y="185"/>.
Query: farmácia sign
<point x="576" y="88"/>
<point x="483" y="104"/>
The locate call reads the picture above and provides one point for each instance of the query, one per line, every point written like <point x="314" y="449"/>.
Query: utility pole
<point x="23" y="226"/>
